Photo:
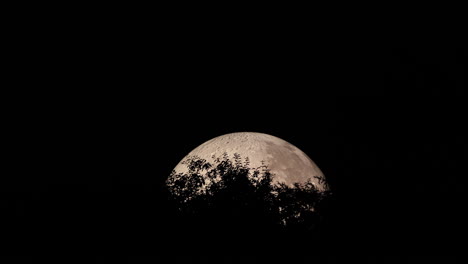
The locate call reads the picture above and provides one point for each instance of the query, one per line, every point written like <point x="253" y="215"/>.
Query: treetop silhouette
<point x="230" y="190"/>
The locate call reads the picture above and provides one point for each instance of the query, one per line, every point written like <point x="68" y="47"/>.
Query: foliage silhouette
<point x="229" y="196"/>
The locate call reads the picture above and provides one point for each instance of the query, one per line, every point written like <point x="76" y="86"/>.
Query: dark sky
<point x="383" y="122"/>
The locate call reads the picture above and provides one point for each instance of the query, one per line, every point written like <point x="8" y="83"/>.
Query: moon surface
<point x="287" y="163"/>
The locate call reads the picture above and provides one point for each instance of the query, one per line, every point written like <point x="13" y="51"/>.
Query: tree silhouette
<point x="229" y="196"/>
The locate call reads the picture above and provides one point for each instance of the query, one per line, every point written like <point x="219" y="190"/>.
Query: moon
<point x="287" y="163"/>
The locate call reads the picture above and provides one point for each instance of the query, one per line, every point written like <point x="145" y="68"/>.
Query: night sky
<point x="383" y="122"/>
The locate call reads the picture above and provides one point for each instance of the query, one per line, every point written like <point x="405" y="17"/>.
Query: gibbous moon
<point x="287" y="163"/>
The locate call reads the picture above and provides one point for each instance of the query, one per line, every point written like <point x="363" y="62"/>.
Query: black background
<point x="384" y="121"/>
